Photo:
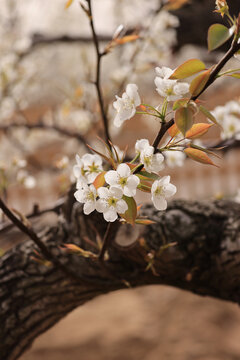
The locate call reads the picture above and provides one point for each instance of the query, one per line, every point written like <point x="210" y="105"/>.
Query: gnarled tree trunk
<point x="193" y="245"/>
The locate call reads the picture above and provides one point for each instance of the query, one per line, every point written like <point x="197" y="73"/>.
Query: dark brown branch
<point x="202" y="255"/>
<point x="97" y="82"/>
<point x="218" y="67"/>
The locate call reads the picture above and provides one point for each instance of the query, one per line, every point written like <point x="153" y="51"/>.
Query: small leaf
<point x="199" y="156"/>
<point x="68" y="4"/>
<point x="188" y="68"/>
<point x="235" y="75"/>
<point x="209" y="115"/>
<point x="184" y="119"/>
<point x="145" y="187"/>
<point x="131" y="213"/>
<point x="199" y="82"/>
<point x="144" y="222"/>
<point x="180" y="103"/>
<point x="100" y="180"/>
<point x="126" y="39"/>
<point x="197" y="130"/>
<point x="218" y="34"/>
<point x="173" y="130"/>
<point x="150" y="176"/>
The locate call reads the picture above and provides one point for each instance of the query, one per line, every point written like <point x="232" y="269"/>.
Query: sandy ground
<point x="149" y="323"/>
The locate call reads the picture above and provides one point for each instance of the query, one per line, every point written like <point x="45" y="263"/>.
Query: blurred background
<point x="48" y="103"/>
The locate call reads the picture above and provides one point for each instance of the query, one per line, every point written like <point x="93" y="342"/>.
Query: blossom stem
<point x="106" y="242"/>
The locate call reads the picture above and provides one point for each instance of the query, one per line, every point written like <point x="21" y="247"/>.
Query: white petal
<point x="111" y="177"/>
<point x="115" y="192"/>
<point x="159" y="202"/>
<point x="101" y="205"/>
<point x="110" y="215"/>
<point x="129" y="192"/>
<point x="88" y="207"/>
<point x="121" y="206"/>
<point x="141" y="144"/>
<point x="181" y="88"/>
<point x="132" y="92"/>
<point x="165" y="180"/>
<point x="77" y="171"/>
<point x="164" y="72"/>
<point x="91" y="177"/>
<point x="88" y="159"/>
<point x="170" y="190"/>
<point x="80" y="196"/>
<point x="124" y="170"/>
<point x="133" y="181"/>
<point x="103" y="192"/>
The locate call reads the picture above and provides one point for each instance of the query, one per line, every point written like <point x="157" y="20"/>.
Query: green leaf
<point x="184" y="119"/>
<point x="148" y="175"/>
<point x="208" y="114"/>
<point x="131" y="213"/>
<point x="199" y="82"/>
<point x="218" y="34"/>
<point x="188" y="68"/>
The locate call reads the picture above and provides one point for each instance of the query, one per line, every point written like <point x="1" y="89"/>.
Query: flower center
<point x="159" y="190"/>
<point x="147" y="160"/>
<point x="170" y="92"/>
<point x="93" y="168"/>
<point x="90" y="196"/>
<point x="112" y="201"/>
<point x="123" y="181"/>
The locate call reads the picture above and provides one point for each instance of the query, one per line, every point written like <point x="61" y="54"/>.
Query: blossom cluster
<point x="112" y="192"/>
<point x="228" y="116"/>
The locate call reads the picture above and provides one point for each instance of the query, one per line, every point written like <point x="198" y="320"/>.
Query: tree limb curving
<point x="193" y="246"/>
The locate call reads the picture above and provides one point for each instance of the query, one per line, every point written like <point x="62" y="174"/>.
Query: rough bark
<point x="204" y="258"/>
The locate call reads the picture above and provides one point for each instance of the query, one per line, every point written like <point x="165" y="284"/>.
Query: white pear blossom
<point x="231" y="127"/>
<point x="164" y="72"/>
<point x="123" y="179"/>
<point x="152" y="162"/>
<point x="228" y="116"/>
<point x="140" y="145"/>
<point x="174" y="158"/>
<point x="79" y="173"/>
<point x="111" y="203"/>
<point x="87" y="195"/>
<point x="87" y="169"/>
<point x="126" y="106"/>
<point x="162" y="189"/>
<point x="170" y="89"/>
<point x="28" y="181"/>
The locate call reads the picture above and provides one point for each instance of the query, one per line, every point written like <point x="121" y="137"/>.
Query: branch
<point x="194" y="246"/>
<point x="40" y="244"/>
<point x="98" y="73"/>
<point x="41" y="125"/>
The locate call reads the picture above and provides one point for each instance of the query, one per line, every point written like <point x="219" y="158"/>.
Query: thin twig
<point x="97" y="82"/>
<point x="106" y="242"/>
<point x="4" y="227"/>
<point x="33" y="236"/>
